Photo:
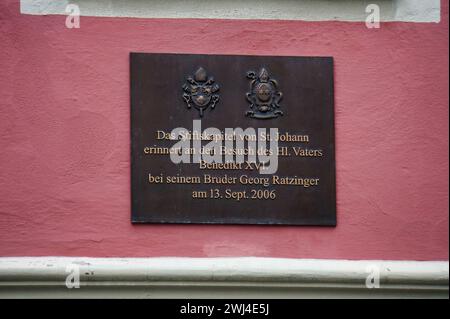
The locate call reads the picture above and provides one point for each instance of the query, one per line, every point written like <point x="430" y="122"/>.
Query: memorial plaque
<point x="194" y="158"/>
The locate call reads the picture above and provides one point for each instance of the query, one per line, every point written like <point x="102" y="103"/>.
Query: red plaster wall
<point x="64" y="137"/>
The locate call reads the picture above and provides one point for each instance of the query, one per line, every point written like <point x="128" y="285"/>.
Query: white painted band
<point x="307" y="10"/>
<point x="220" y="277"/>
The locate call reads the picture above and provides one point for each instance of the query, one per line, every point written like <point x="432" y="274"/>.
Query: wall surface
<point x="64" y="137"/>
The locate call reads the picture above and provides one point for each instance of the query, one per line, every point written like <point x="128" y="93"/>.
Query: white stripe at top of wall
<point x="307" y="10"/>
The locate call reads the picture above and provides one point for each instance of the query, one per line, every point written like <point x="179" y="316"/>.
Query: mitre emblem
<point x="200" y="91"/>
<point x="264" y="96"/>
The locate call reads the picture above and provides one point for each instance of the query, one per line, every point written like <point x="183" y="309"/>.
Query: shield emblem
<point x="200" y="91"/>
<point x="202" y="98"/>
<point x="264" y="96"/>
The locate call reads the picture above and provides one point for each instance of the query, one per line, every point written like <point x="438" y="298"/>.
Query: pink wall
<point x="64" y="137"/>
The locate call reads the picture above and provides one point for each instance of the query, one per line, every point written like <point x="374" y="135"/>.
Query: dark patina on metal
<point x="200" y="91"/>
<point x="293" y="94"/>
<point x="264" y="96"/>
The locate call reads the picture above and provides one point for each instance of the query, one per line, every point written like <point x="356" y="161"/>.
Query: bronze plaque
<point x="229" y="139"/>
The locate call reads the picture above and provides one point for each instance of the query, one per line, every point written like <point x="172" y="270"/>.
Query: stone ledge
<point x="244" y="277"/>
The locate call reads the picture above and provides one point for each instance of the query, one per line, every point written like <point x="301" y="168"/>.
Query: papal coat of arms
<point x="200" y="91"/>
<point x="264" y="96"/>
